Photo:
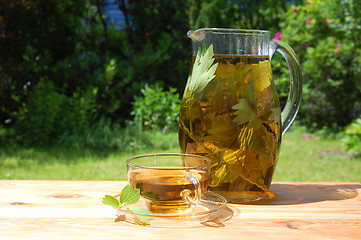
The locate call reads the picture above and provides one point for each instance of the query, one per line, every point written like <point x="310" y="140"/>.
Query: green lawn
<point x="303" y="157"/>
<point x="308" y="157"/>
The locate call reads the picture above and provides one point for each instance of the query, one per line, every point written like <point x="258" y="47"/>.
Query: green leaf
<point x="250" y="95"/>
<point x="223" y="129"/>
<point x="203" y="49"/>
<point x="129" y="195"/>
<point x="151" y="195"/>
<point x="275" y="113"/>
<point x="247" y="109"/>
<point x="203" y="70"/>
<point x="111" y="201"/>
<point x="244" y="112"/>
<point x="220" y="176"/>
<point x="139" y="212"/>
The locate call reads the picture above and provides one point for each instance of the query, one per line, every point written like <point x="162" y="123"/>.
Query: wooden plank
<point x="73" y="210"/>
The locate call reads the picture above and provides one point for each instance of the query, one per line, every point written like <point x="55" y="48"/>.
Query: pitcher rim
<point x="231" y="30"/>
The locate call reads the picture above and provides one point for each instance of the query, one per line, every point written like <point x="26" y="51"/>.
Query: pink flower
<point x="338" y="48"/>
<point x="294" y="10"/>
<point x="328" y="21"/>
<point x="277" y="36"/>
<point x="307" y="136"/>
<point x="308" y="3"/>
<point x="308" y="21"/>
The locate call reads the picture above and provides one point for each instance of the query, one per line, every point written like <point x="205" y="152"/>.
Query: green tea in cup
<point x="169" y="183"/>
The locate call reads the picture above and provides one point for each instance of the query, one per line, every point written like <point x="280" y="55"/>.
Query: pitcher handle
<point x="292" y="106"/>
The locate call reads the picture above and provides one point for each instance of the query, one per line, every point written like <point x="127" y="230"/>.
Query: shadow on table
<point x="312" y="192"/>
<point x="222" y="216"/>
<point x="290" y="194"/>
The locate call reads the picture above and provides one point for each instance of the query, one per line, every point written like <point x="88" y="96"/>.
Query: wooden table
<point x="73" y="210"/>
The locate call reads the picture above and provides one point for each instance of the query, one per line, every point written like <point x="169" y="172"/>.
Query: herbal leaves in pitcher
<point x="231" y="114"/>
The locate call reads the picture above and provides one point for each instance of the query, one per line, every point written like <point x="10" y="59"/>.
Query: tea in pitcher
<point x="230" y="113"/>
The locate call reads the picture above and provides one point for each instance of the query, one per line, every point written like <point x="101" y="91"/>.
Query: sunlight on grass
<point x="64" y="164"/>
<point x="303" y="157"/>
<point x="308" y="157"/>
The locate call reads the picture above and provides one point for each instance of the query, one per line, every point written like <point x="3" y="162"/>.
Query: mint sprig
<point x="129" y="195"/>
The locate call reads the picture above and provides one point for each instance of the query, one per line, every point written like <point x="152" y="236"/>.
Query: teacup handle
<point x="197" y="189"/>
<point x="290" y="110"/>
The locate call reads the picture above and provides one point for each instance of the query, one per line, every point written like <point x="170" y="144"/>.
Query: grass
<point x="303" y="157"/>
<point x="63" y="164"/>
<point x="309" y="157"/>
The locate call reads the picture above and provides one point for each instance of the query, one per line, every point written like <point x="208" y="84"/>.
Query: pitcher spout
<point x="196" y="35"/>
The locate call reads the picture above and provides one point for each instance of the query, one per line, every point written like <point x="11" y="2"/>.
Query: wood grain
<point x="73" y="210"/>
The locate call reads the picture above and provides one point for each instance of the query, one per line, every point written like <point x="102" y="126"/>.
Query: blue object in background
<point x="114" y="16"/>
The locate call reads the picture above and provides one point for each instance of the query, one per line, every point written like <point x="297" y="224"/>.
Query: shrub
<point x="326" y="37"/>
<point x="352" y="136"/>
<point x="101" y="135"/>
<point x="136" y="139"/>
<point x="157" y="109"/>
<point x="48" y="113"/>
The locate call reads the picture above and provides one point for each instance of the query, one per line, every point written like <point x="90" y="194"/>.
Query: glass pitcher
<point x="230" y="110"/>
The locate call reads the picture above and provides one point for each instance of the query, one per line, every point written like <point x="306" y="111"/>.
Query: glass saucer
<point x="205" y="212"/>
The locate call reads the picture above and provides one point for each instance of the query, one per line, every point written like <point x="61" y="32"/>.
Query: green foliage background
<point x="67" y="78"/>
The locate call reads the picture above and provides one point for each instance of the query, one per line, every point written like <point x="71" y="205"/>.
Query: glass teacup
<point x="169" y="183"/>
